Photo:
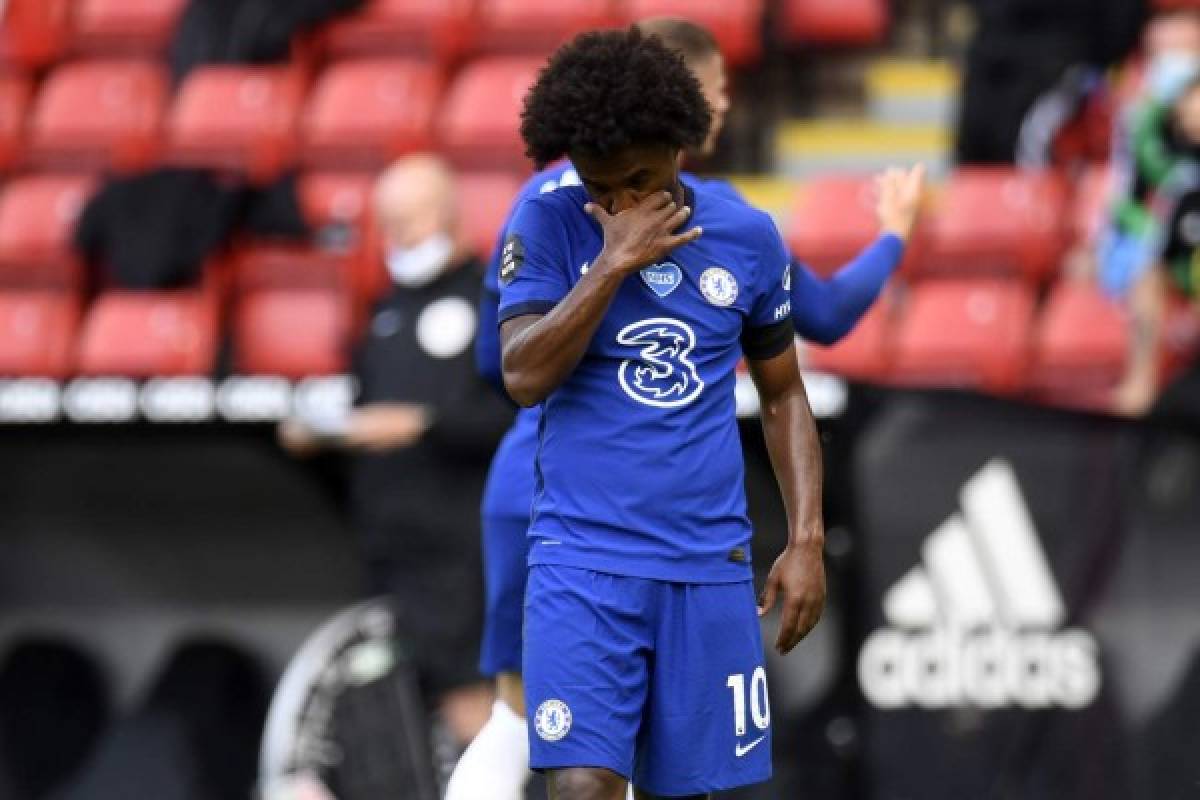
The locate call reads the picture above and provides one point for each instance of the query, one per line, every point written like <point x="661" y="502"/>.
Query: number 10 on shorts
<point x="760" y="704"/>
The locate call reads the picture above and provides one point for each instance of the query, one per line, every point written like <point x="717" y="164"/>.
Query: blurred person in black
<point x="420" y="437"/>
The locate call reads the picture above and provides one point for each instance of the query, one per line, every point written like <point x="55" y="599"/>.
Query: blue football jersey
<point x="639" y="464"/>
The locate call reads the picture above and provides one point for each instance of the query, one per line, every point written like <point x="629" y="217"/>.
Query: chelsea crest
<point x="718" y="286"/>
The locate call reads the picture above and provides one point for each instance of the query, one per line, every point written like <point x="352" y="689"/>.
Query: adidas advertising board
<point x="979" y="623"/>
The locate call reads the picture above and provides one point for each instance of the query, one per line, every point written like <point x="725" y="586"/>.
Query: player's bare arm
<point x="540" y="351"/>
<point x="798" y="576"/>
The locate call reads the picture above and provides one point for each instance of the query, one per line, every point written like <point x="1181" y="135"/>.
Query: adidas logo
<point x="977" y="623"/>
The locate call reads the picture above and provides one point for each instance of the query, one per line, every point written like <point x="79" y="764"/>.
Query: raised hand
<point x="899" y="200"/>
<point x="640" y="236"/>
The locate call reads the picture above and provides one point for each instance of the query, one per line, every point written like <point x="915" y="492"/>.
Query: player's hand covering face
<point x="638" y="202"/>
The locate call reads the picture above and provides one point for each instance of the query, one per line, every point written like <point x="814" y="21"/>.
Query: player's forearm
<point x="824" y="311"/>
<point x="795" y="451"/>
<point x="538" y="355"/>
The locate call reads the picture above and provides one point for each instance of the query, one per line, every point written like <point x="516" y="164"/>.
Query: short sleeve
<point x="768" y="329"/>
<point x="532" y="273"/>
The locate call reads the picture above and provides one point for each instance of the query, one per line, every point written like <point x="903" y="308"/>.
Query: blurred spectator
<point x="420" y="437"/>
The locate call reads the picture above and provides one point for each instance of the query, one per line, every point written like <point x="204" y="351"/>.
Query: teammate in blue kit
<point x="625" y="308"/>
<point x="495" y="767"/>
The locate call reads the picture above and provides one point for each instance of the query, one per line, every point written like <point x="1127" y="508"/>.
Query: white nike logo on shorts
<point x="739" y="750"/>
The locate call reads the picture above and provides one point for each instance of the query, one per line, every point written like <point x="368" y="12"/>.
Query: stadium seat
<point x="99" y="114"/>
<point x="998" y="221"/>
<point x="736" y="24"/>
<point x="440" y="30"/>
<point x="335" y="206"/>
<point x="123" y="27"/>
<point x="365" y="113"/>
<point x="965" y="333"/>
<point x="291" y="332"/>
<point x="484" y="200"/>
<point x="33" y="33"/>
<point x="480" y="116"/>
<point x="141" y="334"/>
<point x="537" y="27"/>
<point x="834" y="22"/>
<point x="832" y="219"/>
<point x="864" y="354"/>
<point x="15" y="94"/>
<point x="37" y="332"/>
<point x="37" y="218"/>
<point x="1090" y="203"/>
<point x="1080" y="347"/>
<point x="238" y="118"/>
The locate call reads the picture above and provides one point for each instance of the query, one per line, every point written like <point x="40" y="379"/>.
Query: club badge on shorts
<point x="718" y="286"/>
<point x="552" y="720"/>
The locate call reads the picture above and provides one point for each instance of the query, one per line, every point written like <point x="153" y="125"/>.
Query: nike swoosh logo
<point x="739" y="750"/>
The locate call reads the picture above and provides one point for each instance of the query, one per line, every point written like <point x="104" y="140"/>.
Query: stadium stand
<point x="35" y="32"/>
<point x="268" y="340"/>
<point x="123" y="27"/>
<point x="364" y="113"/>
<point x="441" y="31"/>
<point x="37" y="333"/>
<point x="831" y="220"/>
<point x="865" y="354"/>
<point x="841" y="22"/>
<point x="142" y="334"/>
<point x="535" y="26"/>
<point x="998" y="221"/>
<point x="965" y="333"/>
<point x="99" y="115"/>
<point x="478" y="128"/>
<point x="37" y="214"/>
<point x="736" y="24"/>
<point x="237" y="118"/>
<point x="15" y="94"/>
<point x="1080" y="347"/>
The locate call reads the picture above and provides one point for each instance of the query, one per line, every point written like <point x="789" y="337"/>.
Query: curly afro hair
<point x="609" y="90"/>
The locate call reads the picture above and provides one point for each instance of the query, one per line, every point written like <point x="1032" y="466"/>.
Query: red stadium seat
<point x="484" y="200"/>
<point x="240" y="118"/>
<point x="1080" y="347"/>
<point x="837" y="22"/>
<point x="37" y="332"/>
<point x="965" y="333"/>
<point x="99" y="114"/>
<point x="439" y="30"/>
<point x="538" y="26"/>
<point x="33" y="33"/>
<point x="112" y="27"/>
<point x="365" y="113"/>
<point x="479" y="124"/>
<point x="144" y="334"/>
<point x="832" y="220"/>
<point x="335" y="206"/>
<point x="37" y="218"/>
<point x="1090" y="204"/>
<point x="15" y="94"/>
<point x="998" y="221"/>
<point x="736" y="24"/>
<point x="291" y="332"/>
<point x="864" y="354"/>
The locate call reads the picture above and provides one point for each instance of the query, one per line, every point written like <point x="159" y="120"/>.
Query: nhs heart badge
<point x="663" y="278"/>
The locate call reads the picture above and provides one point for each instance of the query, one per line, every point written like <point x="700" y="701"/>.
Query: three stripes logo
<point x="978" y="623"/>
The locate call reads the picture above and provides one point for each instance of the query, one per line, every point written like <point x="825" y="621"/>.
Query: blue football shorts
<point x="663" y="683"/>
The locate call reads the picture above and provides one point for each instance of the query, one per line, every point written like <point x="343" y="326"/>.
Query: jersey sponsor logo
<point x="552" y="720"/>
<point x="511" y="258"/>
<point x="783" y="311"/>
<point x="977" y="624"/>
<point x="718" y="286"/>
<point x="663" y="278"/>
<point x="787" y="278"/>
<point x="662" y="375"/>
